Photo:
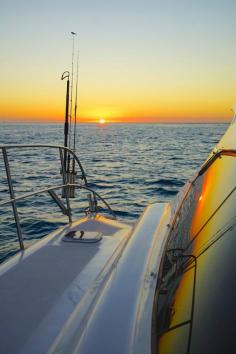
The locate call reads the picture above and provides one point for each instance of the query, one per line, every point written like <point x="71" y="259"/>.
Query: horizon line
<point x="9" y="122"/>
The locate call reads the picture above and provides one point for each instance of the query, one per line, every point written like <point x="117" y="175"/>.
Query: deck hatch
<point x="82" y="236"/>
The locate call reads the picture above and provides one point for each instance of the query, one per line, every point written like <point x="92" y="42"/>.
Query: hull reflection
<point x="195" y="311"/>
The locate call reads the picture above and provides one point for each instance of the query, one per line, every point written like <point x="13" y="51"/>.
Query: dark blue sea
<point x="130" y="165"/>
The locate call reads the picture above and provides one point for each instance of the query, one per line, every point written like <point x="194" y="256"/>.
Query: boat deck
<point x="42" y="285"/>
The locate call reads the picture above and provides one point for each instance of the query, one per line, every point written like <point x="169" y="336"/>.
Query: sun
<point x="102" y="121"/>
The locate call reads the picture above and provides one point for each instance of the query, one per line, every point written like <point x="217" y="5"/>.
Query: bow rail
<point x="66" y="186"/>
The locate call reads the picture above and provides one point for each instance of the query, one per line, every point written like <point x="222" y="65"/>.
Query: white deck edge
<point x="119" y="318"/>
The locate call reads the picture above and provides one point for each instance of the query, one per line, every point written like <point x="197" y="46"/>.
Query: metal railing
<point x="93" y="205"/>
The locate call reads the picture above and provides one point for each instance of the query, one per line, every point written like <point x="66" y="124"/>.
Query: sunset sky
<point x="140" y="61"/>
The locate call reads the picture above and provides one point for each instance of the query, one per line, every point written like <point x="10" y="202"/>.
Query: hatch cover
<point x="82" y="236"/>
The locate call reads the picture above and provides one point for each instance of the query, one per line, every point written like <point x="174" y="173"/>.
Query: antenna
<point x="234" y="110"/>
<point x="76" y="96"/>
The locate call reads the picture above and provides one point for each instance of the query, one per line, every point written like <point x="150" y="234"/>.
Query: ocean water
<point x="130" y="165"/>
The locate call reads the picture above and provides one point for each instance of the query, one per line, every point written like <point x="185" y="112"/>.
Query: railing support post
<point x="12" y="195"/>
<point x="66" y="188"/>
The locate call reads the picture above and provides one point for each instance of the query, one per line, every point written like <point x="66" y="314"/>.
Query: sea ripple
<point x="130" y="165"/>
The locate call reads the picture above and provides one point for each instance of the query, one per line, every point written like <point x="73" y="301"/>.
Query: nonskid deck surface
<point x="41" y="286"/>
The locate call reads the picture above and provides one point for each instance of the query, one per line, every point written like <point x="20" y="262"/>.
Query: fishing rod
<point x="72" y="92"/>
<point x="66" y="75"/>
<point x="70" y="170"/>
<point x="76" y="105"/>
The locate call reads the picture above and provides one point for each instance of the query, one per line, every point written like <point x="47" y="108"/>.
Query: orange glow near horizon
<point x="43" y="101"/>
<point x="141" y="109"/>
<point x="46" y="113"/>
<point x="131" y="101"/>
